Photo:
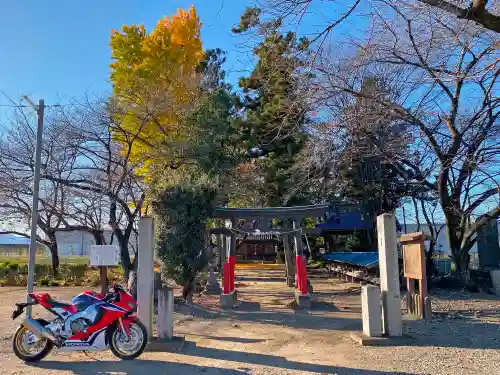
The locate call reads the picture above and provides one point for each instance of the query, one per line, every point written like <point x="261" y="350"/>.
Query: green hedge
<point x="14" y="273"/>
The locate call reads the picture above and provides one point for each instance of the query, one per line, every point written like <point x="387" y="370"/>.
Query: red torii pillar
<point x="229" y="296"/>
<point x="302" y="296"/>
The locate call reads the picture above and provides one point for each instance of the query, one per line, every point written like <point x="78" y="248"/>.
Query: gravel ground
<point x="263" y="336"/>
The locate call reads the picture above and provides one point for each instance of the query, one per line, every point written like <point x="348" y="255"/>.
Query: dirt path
<point x="263" y="336"/>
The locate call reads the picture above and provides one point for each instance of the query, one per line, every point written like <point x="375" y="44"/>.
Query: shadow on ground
<point x="454" y="333"/>
<point x="139" y="366"/>
<point x="293" y="319"/>
<point x="240" y="340"/>
<point x="191" y="349"/>
<point x="136" y="367"/>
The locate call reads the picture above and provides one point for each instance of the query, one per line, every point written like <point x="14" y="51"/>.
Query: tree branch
<point x="476" y="13"/>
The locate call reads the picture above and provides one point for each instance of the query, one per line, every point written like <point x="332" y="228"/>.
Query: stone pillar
<point x="165" y="313"/>
<point x="223" y="251"/>
<point x="290" y="272"/>
<point x="145" y="273"/>
<point x="370" y="307"/>
<point x="389" y="275"/>
<point x="495" y="279"/>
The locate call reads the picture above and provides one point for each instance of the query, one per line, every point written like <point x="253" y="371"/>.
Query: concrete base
<point x="495" y="279"/>
<point x="227" y="301"/>
<point x="363" y="340"/>
<point x="173" y="345"/>
<point x="303" y="300"/>
<point x="213" y="287"/>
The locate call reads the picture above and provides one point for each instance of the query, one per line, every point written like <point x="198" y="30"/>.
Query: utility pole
<point x="40" y="109"/>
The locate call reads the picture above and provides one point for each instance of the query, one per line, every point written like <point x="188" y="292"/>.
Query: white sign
<point x="104" y="255"/>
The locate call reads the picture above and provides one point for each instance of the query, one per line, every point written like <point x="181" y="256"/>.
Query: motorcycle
<point x="92" y="322"/>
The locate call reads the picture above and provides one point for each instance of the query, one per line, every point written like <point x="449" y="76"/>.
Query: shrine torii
<point x="292" y="216"/>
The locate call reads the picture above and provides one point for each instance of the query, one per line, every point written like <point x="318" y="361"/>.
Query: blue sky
<point x="59" y="49"/>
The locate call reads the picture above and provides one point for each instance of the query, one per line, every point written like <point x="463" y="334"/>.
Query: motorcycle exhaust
<point x="39" y="330"/>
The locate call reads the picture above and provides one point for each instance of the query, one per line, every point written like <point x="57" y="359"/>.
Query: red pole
<point x="232" y="262"/>
<point x="304" y="275"/>
<point x="227" y="278"/>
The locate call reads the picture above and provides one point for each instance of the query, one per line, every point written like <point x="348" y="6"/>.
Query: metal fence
<point x="443" y="266"/>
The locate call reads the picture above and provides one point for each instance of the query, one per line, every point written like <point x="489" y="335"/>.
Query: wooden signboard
<point x="413" y="256"/>
<point x="415" y="270"/>
<point x="104" y="256"/>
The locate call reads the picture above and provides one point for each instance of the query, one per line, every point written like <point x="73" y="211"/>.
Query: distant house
<point x="78" y="242"/>
<point x="12" y="244"/>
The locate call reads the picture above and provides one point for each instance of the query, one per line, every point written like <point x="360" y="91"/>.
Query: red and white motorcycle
<point x="91" y="322"/>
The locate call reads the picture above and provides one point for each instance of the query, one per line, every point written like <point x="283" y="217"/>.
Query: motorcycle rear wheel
<point x="132" y="347"/>
<point x="44" y="346"/>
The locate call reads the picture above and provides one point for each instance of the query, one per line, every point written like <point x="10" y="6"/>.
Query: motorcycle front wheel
<point x="131" y="347"/>
<point x="28" y="347"/>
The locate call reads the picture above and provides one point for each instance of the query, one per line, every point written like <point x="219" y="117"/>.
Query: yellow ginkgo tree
<point x="155" y="82"/>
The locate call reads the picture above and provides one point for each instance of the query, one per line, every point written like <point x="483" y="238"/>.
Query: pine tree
<point x="275" y="113"/>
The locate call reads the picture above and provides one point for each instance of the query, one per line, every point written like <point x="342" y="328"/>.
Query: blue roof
<point x="350" y="221"/>
<point x="365" y="259"/>
<point x="346" y="221"/>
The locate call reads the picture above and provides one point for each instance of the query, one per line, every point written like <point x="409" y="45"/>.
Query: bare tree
<point x="16" y="182"/>
<point x="102" y="179"/>
<point x="483" y="12"/>
<point x="447" y="79"/>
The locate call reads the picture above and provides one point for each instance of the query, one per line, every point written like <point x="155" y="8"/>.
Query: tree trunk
<point x="55" y="259"/>
<point x="459" y="255"/>
<point x="132" y="283"/>
<point x="188" y="289"/>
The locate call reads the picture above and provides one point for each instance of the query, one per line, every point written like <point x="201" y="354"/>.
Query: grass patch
<point x="315" y="264"/>
<point x="23" y="259"/>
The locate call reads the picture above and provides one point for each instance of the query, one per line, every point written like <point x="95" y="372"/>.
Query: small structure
<point x="353" y="266"/>
<point x="416" y="276"/>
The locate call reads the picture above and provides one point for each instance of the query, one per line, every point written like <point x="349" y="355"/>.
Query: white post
<point x="145" y="274"/>
<point x="370" y="307"/>
<point x="389" y="275"/>
<point x="166" y="313"/>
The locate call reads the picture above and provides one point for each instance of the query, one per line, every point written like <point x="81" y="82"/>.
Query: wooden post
<point x="165" y="313"/>
<point x="103" y="270"/>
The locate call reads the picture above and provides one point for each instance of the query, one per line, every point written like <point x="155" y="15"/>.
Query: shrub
<point x="14" y="266"/>
<point x="181" y="215"/>
<point x="55" y="283"/>
<point x="44" y="281"/>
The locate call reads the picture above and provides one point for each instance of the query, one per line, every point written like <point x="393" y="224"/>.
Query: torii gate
<point x="293" y="217"/>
